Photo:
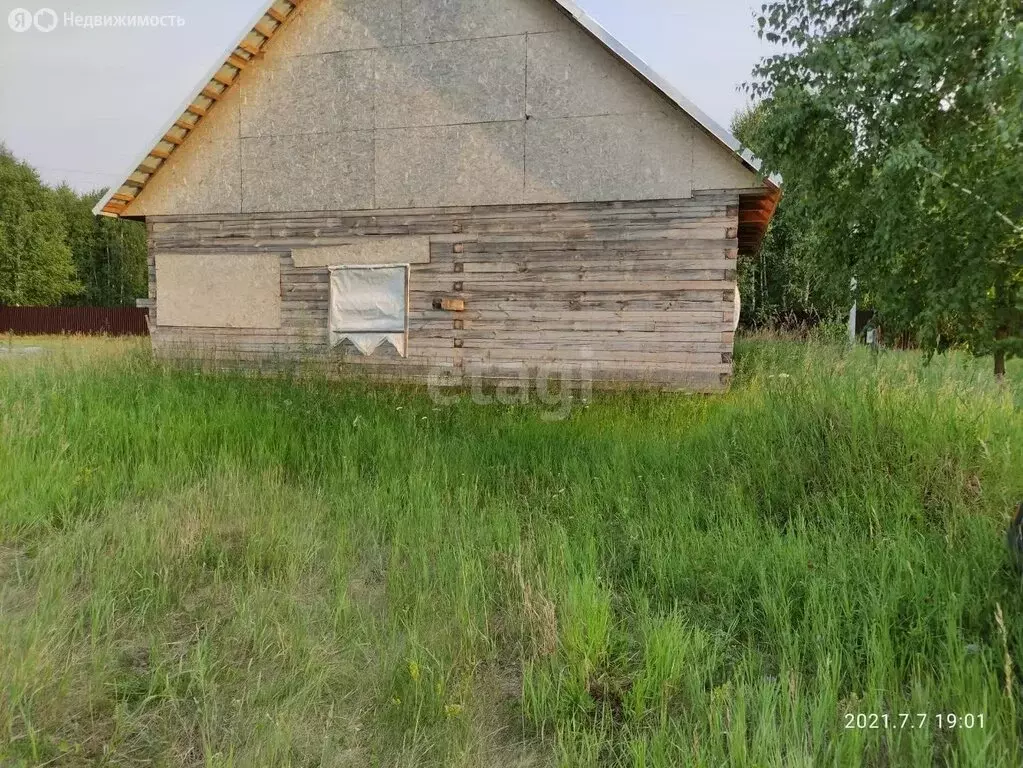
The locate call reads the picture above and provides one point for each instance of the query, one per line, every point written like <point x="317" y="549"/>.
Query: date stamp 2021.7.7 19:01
<point x="942" y="721"/>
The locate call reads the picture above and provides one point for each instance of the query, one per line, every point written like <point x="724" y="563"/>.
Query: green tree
<point x="80" y="235"/>
<point x="783" y="286"/>
<point x="53" y="250"/>
<point x="900" y="122"/>
<point x="36" y="265"/>
<point x="120" y="255"/>
<point x="110" y="254"/>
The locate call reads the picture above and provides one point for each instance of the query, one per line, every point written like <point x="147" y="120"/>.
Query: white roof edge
<point x="645" y="71"/>
<point x="98" y="208"/>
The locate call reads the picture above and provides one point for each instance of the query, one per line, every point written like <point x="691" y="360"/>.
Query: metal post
<point x="852" y="314"/>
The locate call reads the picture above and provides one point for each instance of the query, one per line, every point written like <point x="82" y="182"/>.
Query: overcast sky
<point x="80" y="104"/>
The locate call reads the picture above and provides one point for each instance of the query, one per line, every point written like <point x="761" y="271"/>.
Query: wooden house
<point x="462" y="188"/>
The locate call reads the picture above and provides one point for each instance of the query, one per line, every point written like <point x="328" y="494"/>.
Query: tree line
<point x="897" y="126"/>
<point x="55" y="252"/>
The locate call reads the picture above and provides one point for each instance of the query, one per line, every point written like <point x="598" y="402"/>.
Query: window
<point x="369" y="306"/>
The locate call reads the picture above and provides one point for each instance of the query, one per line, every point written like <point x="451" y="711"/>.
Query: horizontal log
<point x="562" y="306"/>
<point x="436" y="336"/>
<point x="700" y="200"/>
<point x="483" y="379"/>
<point x="566" y="223"/>
<point x="625" y="262"/>
<point x="540" y="286"/>
<point x="616" y="282"/>
<point x="472" y="350"/>
<point x="580" y="280"/>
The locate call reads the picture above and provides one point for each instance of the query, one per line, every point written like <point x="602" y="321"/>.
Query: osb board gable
<point x="348" y="25"/>
<point x="435" y="112"/>
<point x="367" y="251"/>
<point x="714" y="169"/>
<point x="219" y="291"/>
<point x="432" y="21"/>
<point x="609" y="157"/>
<point x="203" y="175"/>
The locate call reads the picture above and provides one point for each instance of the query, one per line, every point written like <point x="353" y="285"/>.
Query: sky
<point x="80" y="104"/>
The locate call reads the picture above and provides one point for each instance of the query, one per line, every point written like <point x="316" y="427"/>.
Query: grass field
<point x="226" y="571"/>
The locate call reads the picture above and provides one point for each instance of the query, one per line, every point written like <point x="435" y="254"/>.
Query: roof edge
<point x="645" y="71"/>
<point x="194" y="94"/>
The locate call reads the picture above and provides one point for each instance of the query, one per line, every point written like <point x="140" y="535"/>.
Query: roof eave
<point x="100" y="209"/>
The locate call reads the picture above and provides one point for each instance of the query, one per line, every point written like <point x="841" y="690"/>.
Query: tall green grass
<point x="228" y="571"/>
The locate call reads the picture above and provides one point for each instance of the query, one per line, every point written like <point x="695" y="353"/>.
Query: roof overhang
<point x="756" y="209"/>
<point x="250" y="45"/>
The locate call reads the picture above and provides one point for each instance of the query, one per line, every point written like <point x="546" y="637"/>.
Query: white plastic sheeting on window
<point x="369" y="306"/>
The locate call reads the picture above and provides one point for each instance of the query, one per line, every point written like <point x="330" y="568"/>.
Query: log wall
<point x="637" y="293"/>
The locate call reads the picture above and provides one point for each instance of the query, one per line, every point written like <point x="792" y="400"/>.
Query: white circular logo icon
<point x="45" y="19"/>
<point x="20" y="20"/>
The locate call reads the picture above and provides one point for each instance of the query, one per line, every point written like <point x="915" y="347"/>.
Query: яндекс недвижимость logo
<point x="22" y="20"/>
<point x="46" y="20"/>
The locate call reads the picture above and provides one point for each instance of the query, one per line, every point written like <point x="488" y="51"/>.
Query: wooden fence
<point x="37" y="321"/>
